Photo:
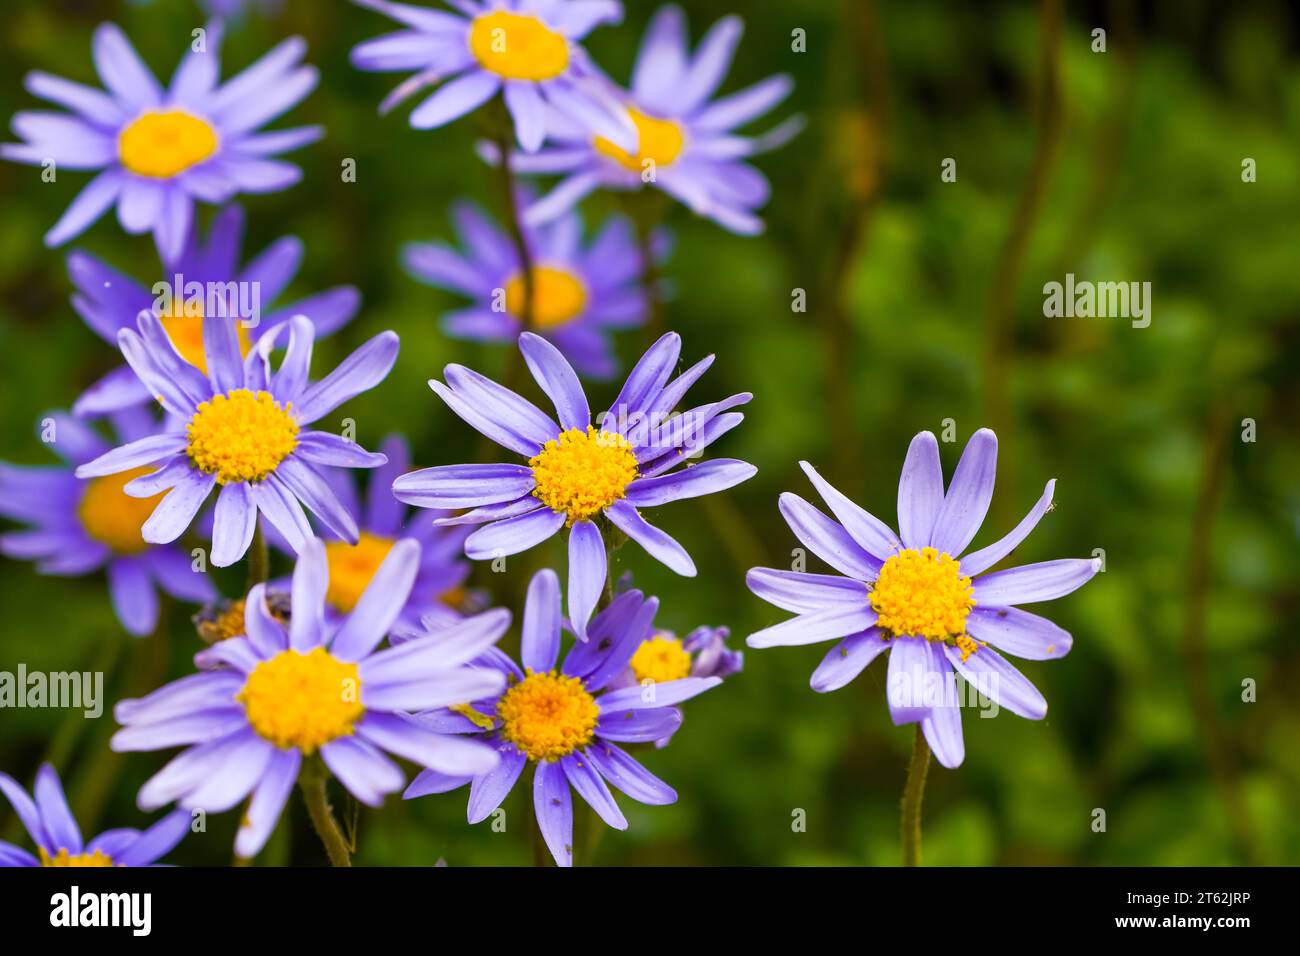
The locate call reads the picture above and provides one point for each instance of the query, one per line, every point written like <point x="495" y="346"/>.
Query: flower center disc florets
<point x="923" y="594"/>
<point x="659" y="142"/>
<point x="518" y="47"/>
<point x="162" y="143"/>
<point x="548" y="715"/>
<point x="352" y="566"/>
<point x="113" y="517"/>
<point x="661" y="659"/>
<point x="64" y="858"/>
<point x="241" y="436"/>
<point x="558" y="296"/>
<point x="302" y="700"/>
<point x="581" y="473"/>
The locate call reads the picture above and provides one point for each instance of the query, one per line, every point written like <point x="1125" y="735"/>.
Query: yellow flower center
<point x="923" y="594"/>
<point x="162" y="143"/>
<point x="113" y="517"/>
<point x="302" y="700"/>
<point x="580" y="473"/>
<point x="518" y="46"/>
<point x="558" y="296"/>
<point x="352" y="566"/>
<point x="548" y="716"/>
<point x="241" y="436"/>
<point x="475" y="717"/>
<point x="64" y="858"/>
<point x="184" y="326"/>
<point x="659" y="141"/>
<point x="661" y="659"/>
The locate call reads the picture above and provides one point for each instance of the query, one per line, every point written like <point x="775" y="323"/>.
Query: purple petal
<point x="584" y="779"/>
<point x="156" y="842"/>
<point x="359" y="372"/>
<point x="176" y="511"/>
<point x="452" y="755"/>
<point x="1019" y="633"/>
<point x="134" y="599"/>
<point x="649" y="696"/>
<point x="847" y="659"/>
<point x="587" y="569"/>
<point x="983" y="559"/>
<point x="658" y="544"/>
<point x="942" y="729"/>
<point x="310" y="487"/>
<point x="826" y="539"/>
<point x="503" y="538"/>
<point x="368" y="774"/>
<point x="145" y="451"/>
<point x="969" y="494"/>
<point x="233" y="523"/>
<point x="56" y="819"/>
<point x="456" y="98"/>
<point x="557" y="379"/>
<point x="629" y="776"/>
<point x="464" y="486"/>
<point x="920" y="491"/>
<point x="640" y="726"/>
<point x="989" y="673"/>
<point x="800" y="592"/>
<point x="380" y="603"/>
<point x="269" y="798"/>
<point x="1044" y="581"/>
<point x="89" y="205"/>
<point x="540" y="640"/>
<point x="815" y="626"/>
<point x="692" y="482"/>
<point x="912" y="661"/>
<point x="489" y="789"/>
<point x="876" y="537"/>
<point x="433" y="781"/>
<point x="553" y="807"/>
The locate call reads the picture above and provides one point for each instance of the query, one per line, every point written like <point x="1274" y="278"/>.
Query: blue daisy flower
<point x="79" y="525"/>
<point x="159" y="149"/>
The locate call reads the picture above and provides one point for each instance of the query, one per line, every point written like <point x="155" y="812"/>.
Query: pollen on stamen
<point x="241" y="436"/>
<point x="302" y="700"/>
<point x="548" y="715"/>
<point x="922" y="594"/>
<point x="582" y="473"/>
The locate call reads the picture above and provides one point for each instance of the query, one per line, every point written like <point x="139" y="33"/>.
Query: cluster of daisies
<point x="210" y="442"/>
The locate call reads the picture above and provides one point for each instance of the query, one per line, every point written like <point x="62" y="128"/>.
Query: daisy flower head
<point x="686" y="144"/>
<point x="565" y="719"/>
<point x="158" y="149"/>
<point x="52" y="827"/>
<point x="81" y="525"/>
<point x="206" y="276"/>
<point x="526" y="50"/>
<point x="244" y="433"/>
<point x="580" y="471"/>
<point x="439" y="594"/>
<point x="920" y="596"/>
<point x="279" y="694"/>
<point x="579" y="293"/>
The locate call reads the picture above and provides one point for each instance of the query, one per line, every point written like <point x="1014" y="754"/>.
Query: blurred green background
<point x="924" y="304"/>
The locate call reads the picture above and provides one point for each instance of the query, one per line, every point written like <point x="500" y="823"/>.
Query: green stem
<point x="312" y="781"/>
<point x="913" y="793"/>
<point x="504" y="135"/>
<point x="259" y="558"/>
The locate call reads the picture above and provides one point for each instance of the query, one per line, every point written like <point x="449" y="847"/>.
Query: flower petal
<point x="540" y="640"/>
<point x="1044" y="581"/>
<point x="920" y="491"/>
<point x="969" y="494"/>
<point x="847" y="659"/>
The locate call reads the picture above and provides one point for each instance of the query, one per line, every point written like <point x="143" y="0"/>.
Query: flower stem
<point x="312" y="782"/>
<point x="504" y="135"/>
<point x="259" y="558"/>
<point x="913" y="793"/>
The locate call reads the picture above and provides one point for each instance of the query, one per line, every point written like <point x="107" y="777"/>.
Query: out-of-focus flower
<point x="79" y="526"/>
<point x="918" y="596"/>
<point x="279" y="694"/>
<point x="686" y="141"/>
<point x="159" y="149"/>
<point x="244" y="433"/>
<point x="109" y="301"/>
<point x="579" y="294"/>
<point x="49" y="822"/>
<point x="566" y="721"/>
<point x="578" y="471"/>
<point x="527" y="50"/>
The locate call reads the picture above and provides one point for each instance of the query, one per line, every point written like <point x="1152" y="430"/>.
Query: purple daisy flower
<point x="578" y="294"/>
<point x="79" y="526"/>
<point x="685" y="144"/>
<point x="244" y="432"/>
<point x="919" y="596"/>
<point x="527" y="50"/>
<point x="158" y="150"/>
<point x="54" y="830"/>
<point x="438" y="594"/>
<point x="269" y="699"/>
<point x="567" y="721"/>
<point x="578" y="471"/>
<point x="109" y="301"/>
